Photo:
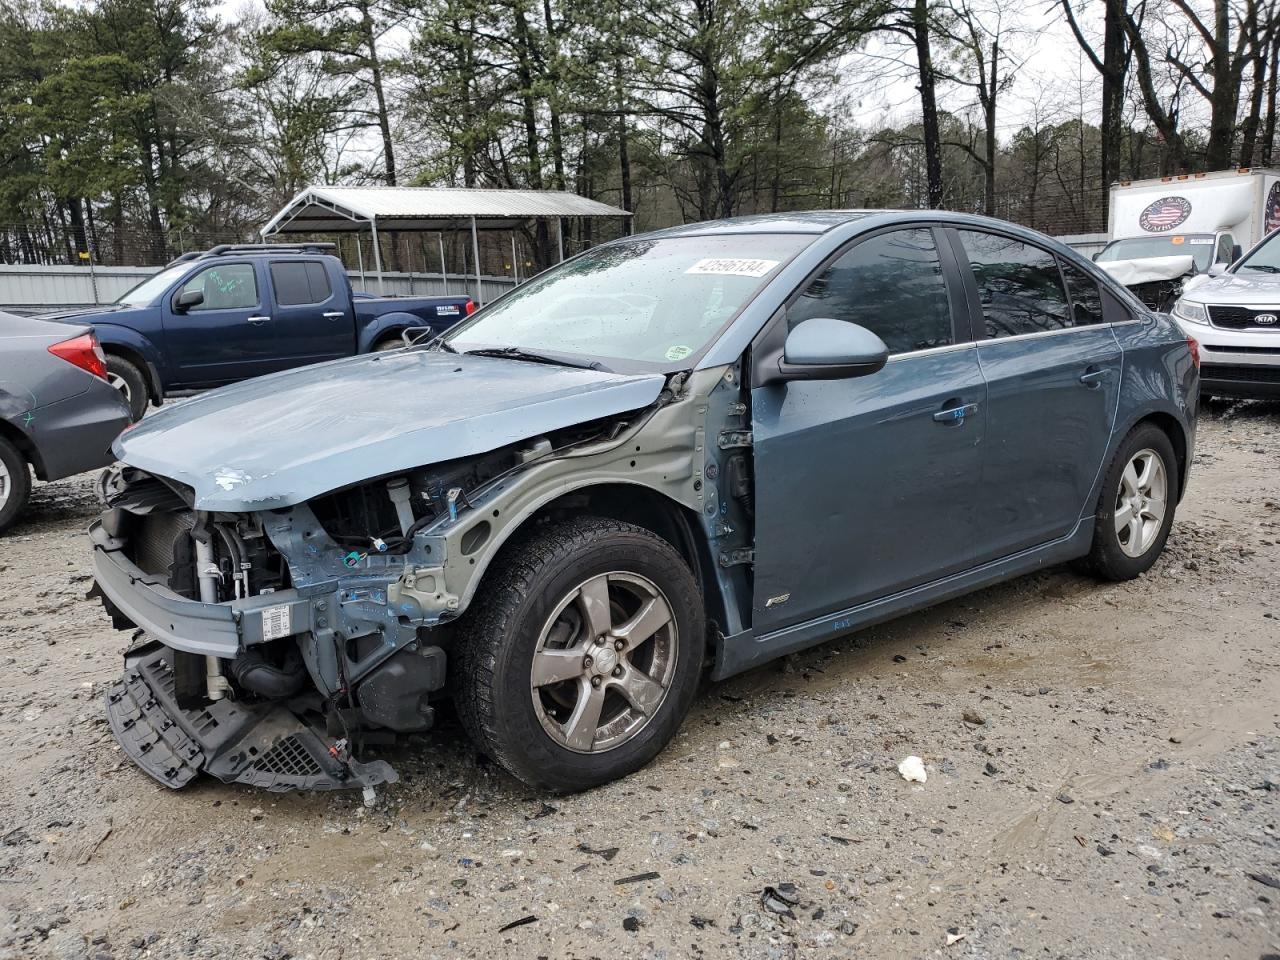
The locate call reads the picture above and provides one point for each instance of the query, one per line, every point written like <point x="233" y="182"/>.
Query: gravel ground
<point x="1103" y="773"/>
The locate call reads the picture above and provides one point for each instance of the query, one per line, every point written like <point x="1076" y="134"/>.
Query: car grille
<point x="1222" y="371"/>
<point x="1243" y="318"/>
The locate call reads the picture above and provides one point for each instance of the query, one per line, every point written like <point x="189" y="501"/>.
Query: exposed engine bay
<point x="273" y="646"/>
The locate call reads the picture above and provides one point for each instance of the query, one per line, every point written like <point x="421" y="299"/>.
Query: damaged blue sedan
<point x="674" y="455"/>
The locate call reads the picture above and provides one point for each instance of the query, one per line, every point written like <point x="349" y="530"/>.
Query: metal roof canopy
<point x="443" y="209"/>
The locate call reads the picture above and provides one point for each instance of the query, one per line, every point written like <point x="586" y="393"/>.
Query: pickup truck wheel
<point x="390" y="343"/>
<point x="15" y="483"/>
<point x="581" y="654"/>
<point x="1136" y="506"/>
<point x="128" y="379"/>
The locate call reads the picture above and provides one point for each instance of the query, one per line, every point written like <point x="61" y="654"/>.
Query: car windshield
<point x="657" y="301"/>
<point x="152" y="287"/>
<point x="1200" y="248"/>
<point x="1265" y="259"/>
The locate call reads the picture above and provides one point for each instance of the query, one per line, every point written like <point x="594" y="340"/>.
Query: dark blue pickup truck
<point x="236" y="312"/>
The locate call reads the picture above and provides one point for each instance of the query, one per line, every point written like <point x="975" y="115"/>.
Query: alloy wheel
<point x="121" y="384"/>
<point x="1141" y="502"/>
<point x="6" y="485"/>
<point x="604" y="662"/>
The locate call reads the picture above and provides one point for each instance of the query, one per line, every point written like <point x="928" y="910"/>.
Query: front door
<point x="866" y="487"/>
<point x="1053" y="368"/>
<point x="227" y="336"/>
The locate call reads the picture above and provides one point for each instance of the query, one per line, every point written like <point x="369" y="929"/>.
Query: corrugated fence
<point x="39" y="287"/>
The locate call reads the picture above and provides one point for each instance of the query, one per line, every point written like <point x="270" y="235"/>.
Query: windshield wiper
<point x="438" y="342"/>
<point x="519" y="353"/>
<point x="1261" y="267"/>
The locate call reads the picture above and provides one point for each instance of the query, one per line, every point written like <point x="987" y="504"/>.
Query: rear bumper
<point x="75" y="435"/>
<point x="208" y="629"/>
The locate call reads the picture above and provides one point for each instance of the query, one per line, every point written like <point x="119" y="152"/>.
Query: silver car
<point x="58" y="414"/>
<point x="1235" y="318"/>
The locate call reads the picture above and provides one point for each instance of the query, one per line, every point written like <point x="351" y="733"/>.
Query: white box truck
<point x="1164" y="230"/>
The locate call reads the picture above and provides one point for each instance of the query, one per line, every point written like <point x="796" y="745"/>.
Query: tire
<point x="15" y="484"/>
<point x="1122" y="551"/>
<point x="389" y="343"/>
<point x="537" y="599"/>
<point x="128" y="379"/>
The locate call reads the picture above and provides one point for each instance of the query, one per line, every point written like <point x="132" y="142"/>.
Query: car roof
<point x="798" y="221"/>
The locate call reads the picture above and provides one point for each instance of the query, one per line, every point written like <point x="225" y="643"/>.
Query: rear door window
<point x="891" y="284"/>
<point x="300" y="282"/>
<point x="1019" y="285"/>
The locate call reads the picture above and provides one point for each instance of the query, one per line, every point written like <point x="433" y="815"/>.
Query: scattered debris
<point x="780" y="899"/>
<point x="974" y="718"/>
<point x="1065" y="798"/>
<point x="1265" y="879"/>
<point x="954" y="935"/>
<point x="912" y="770"/>
<point x="638" y="878"/>
<point x="608" y="853"/>
<point x="631" y="924"/>
<point x="522" y="922"/>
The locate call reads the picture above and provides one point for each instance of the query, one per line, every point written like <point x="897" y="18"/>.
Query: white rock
<point x="912" y="770"/>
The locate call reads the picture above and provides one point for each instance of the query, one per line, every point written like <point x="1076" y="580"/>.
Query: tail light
<point x="471" y="306"/>
<point x="1195" y="351"/>
<point x="84" y="352"/>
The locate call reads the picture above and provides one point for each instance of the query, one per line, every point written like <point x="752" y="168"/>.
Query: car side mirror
<point x="1236" y="251"/>
<point x="188" y="299"/>
<point x="1217" y="269"/>
<point x="823" y="348"/>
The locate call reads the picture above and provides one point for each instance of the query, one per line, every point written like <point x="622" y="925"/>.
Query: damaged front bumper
<point x="208" y="629"/>
<point x="278" y="743"/>
<point x="261" y="745"/>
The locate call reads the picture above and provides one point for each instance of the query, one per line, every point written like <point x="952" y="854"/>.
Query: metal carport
<point x="440" y="209"/>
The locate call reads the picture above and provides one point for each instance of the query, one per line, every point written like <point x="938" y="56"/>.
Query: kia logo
<point x="1265" y="318"/>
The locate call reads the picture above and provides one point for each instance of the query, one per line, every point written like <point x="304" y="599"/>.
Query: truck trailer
<point x="1167" y="229"/>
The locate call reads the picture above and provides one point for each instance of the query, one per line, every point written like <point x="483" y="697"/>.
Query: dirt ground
<point x="1103" y="777"/>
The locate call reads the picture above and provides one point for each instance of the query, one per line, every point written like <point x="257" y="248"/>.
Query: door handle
<point x="333" y="314"/>
<point x="258" y="321"/>
<point x="1094" y="376"/>
<point x="955" y="414"/>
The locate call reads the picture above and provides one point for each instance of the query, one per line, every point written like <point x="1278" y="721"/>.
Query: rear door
<point x="867" y="487"/>
<point x="219" y="340"/>
<point x="1052" y="368"/>
<point x="311" y="316"/>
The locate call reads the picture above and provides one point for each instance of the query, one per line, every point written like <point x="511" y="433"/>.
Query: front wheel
<point x="1136" y="506"/>
<point x="581" y="654"/>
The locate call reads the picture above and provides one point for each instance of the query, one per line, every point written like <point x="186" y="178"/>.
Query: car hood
<point x="285" y="438"/>
<point x="1148" y="269"/>
<point x="1245" y="289"/>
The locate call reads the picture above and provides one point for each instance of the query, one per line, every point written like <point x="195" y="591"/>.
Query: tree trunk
<point x="928" y="103"/>
<point x="989" y="116"/>
<point x="1249" y="128"/>
<point x="1222" y="117"/>
<point x="1269" y="128"/>
<point x="375" y="70"/>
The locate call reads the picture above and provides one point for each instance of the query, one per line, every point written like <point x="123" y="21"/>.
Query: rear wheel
<point x="128" y="379"/>
<point x="390" y="343"/>
<point x="15" y="483"/>
<point x="582" y="654"/>
<point x="1136" y="506"/>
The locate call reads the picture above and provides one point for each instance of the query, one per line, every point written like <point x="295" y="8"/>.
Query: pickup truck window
<point x="227" y="286"/>
<point x="300" y="282"/>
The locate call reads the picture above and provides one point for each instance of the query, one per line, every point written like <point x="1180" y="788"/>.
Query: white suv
<point x="1234" y="315"/>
